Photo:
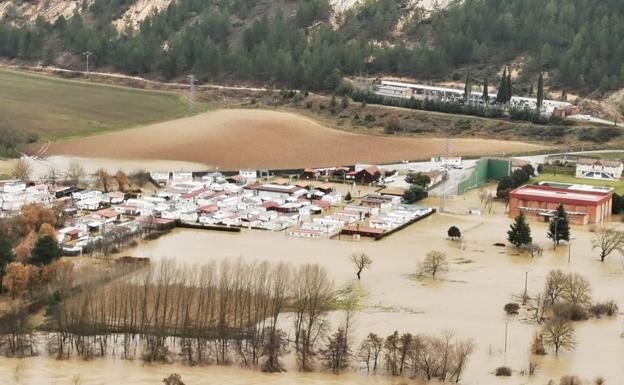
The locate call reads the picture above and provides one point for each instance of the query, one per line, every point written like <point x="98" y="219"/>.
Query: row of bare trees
<point x="220" y="312"/>
<point x="422" y="356"/>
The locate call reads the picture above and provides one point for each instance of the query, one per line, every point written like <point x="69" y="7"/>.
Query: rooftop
<point x="560" y="195"/>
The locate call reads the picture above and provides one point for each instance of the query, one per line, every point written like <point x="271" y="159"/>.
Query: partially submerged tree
<point x="519" y="233"/>
<point x="75" y="174"/>
<point x="21" y="170"/>
<point x="559" y="227"/>
<point x="454" y="232"/>
<point x="122" y="180"/>
<point x="173" y="379"/>
<point x="435" y="262"/>
<point x="607" y="241"/>
<point x="337" y="352"/>
<point x="370" y="352"/>
<point x="555" y="286"/>
<point x="558" y="335"/>
<point x="103" y="178"/>
<point x="361" y="262"/>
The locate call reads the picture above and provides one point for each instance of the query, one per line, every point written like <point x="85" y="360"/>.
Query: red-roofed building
<point x="366" y="175"/>
<point x="540" y="202"/>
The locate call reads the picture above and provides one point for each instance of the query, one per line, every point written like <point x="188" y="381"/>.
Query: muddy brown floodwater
<point x="469" y="299"/>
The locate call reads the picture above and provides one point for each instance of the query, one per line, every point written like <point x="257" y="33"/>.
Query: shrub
<point x="572" y="312"/>
<point x="512" y="308"/>
<point x="608" y="308"/>
<point x="503" y="371"/>
<point x="570" y="380"/>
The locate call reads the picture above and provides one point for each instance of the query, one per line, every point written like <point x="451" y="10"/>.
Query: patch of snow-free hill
<point x="139" y="11"/>
<point x="50" y="10"/>
<point x="340" y="6"/>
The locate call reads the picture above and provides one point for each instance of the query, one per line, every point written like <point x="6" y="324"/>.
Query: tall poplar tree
<point x="486" y="92"/>
<point x="540" y="91"/>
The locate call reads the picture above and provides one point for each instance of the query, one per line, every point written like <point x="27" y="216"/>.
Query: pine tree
<point x="559" y="227"/>
<point x="486" y="92"/>
<point x="45" y="252"/>
<point x="519" y="233"/>
<point x="540" y="91"/>
<point x="502" y="88"/>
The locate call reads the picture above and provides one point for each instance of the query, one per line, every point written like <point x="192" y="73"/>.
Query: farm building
<point x="583" y="205"/>
<point x="598" y="169"/>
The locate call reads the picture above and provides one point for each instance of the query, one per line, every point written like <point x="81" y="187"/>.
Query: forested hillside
<point x="303" y="44"/>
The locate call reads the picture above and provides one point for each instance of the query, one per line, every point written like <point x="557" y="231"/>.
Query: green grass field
<point x="563" y="178"/>
<point x="59" y="109"/>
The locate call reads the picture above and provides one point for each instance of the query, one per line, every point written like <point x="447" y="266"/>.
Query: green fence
<point x="485" y="170"/>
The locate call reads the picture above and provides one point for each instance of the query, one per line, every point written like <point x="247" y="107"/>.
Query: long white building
<point x="422" y="92"/>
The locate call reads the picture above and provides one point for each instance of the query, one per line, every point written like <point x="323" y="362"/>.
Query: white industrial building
<point x="450" y="95"/>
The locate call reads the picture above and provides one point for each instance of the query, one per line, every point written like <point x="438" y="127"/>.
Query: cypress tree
<point x="486" y="94"/>
<point x="531" y="90"/>
<point x="559" y="227"/>
<point x="502" y="88"/>
<point x="540" y="91"/>
<point x="519" y="233"/>
<point x="509" y="87"/>
<point x="468" y="88"/>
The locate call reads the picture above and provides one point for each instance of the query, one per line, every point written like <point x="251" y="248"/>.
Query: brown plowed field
<point x="233" y="139"/>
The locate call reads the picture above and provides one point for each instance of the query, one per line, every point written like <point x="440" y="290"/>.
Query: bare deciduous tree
<point x="435" y="262"/>
<point x="558" y="334"/>
<point x="103" y="178"/>
<point x="122" y="180"/>
<point x="370" y="352"/>
<point x="312" y="292"/>
<point x="607" y="241"/>
<point x="21" y="170"/>
<point x="75" y="174"/>
<point x="577" y="290"/>
<point x="555" y="286"/>
<point x="361" y="262"/>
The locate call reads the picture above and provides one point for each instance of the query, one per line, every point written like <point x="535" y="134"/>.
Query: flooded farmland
<point x="468" y="300"/>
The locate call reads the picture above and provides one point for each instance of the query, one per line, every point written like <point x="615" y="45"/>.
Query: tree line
<point x="222" y="313"/>
<point x="579" y="43"/>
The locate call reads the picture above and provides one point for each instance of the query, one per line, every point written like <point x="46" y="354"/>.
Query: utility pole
<point x="88" y="54"/>
<point x="506" y="322"/>
<point x="192" y="93"/>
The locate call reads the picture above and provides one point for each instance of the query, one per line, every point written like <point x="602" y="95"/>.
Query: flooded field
<point x="468" y="300"/>
<point x="61" y="163"/>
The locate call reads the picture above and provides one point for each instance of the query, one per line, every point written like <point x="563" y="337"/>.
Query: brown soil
<point x="232" y="139"/>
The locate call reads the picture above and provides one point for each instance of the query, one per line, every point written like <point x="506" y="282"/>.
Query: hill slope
<point x="311" y="44"/>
